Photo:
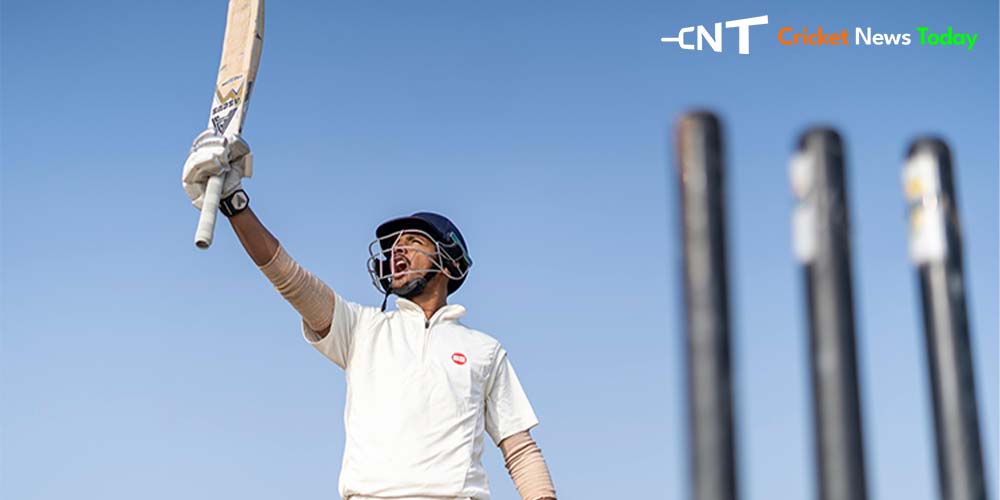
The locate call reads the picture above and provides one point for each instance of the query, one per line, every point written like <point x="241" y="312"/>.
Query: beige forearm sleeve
<point x="305" y="292"/>
<point x="527" y="467"/>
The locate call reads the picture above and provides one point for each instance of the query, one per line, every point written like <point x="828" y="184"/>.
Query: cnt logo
<point x="713" y="38"/>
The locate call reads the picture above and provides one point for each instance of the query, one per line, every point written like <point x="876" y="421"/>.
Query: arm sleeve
<point x="508" y="410"/>
<point x="318" y="305"/>
<point x="527" y="467"/>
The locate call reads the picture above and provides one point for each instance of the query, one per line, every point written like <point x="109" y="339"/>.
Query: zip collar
<point x="449" y="312"/>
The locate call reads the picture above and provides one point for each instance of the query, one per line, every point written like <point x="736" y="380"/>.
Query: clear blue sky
<point x="134" y="366"/>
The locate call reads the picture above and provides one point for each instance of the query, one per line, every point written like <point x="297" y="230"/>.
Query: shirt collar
<point x="447" y="313"/>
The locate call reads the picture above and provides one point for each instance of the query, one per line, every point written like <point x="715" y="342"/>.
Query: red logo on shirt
<point x="458" y="358"/>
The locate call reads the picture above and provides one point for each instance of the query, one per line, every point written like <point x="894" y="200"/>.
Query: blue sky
<point x="134" y="365"/>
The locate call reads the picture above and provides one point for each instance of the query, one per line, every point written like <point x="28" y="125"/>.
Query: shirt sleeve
<point x="338" y="343"/>
<point x="508" y="410"/>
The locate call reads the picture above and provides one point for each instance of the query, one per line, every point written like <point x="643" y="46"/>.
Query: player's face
<point x="410" y="253"/>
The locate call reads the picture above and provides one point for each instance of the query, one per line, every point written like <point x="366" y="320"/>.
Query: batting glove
<point x="211" y="155"/>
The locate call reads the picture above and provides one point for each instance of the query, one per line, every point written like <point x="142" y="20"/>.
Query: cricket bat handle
<point x="209" y="209"/>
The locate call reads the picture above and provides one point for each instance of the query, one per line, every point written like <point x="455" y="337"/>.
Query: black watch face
<point x="239" y="200"/>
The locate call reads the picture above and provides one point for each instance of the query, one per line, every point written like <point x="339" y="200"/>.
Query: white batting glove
<point x="211" y="155"/>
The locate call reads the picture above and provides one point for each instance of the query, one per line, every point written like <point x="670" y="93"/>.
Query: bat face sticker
<point x="226" y="106"/>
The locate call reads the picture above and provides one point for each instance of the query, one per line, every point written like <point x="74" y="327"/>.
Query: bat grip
<point x="209" y="209"/>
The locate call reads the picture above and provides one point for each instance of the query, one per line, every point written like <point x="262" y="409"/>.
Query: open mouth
<point x="399" y="266"/>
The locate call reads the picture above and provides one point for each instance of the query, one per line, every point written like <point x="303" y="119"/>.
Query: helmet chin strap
<point x="411" y="289"/>
<point x="414" y="287"/>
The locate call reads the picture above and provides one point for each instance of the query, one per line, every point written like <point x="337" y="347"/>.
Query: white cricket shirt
<point x="420" y="393"/>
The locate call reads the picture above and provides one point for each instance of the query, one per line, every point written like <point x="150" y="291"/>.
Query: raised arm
<point x="304" y="291"/>
<point x="213" y="155"/>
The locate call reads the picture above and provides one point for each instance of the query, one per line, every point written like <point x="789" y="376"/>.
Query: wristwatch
<point x="234" y="203"/>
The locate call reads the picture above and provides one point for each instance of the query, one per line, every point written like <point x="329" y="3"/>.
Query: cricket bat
<point x="237" y="73"/>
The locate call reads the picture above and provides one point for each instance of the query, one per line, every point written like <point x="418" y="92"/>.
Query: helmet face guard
<point x="449" y="258"/>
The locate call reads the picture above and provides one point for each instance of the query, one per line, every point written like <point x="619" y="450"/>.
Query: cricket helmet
<point x="451" y="259"/>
